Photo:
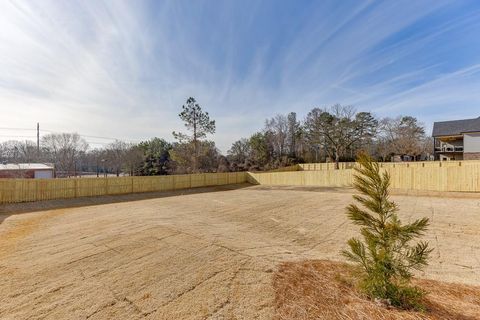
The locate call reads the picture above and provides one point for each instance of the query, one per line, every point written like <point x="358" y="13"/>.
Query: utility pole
<point x="38" y="141"/>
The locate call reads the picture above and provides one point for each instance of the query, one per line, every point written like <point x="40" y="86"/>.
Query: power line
<point x="106" y="138"/>
<point x="7" y="136"/>
<point x="93" y="142"/>
<point x="51" y="131"/>
<point x="17" y="129"/>
<point x="96" y="137"/>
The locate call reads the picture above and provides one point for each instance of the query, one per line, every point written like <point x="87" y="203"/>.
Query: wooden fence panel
<point x="26" y="190"/>
<point x="211" y="180"/>
<point x="455" y="176"/>
<point x="143" y="184"/>
<point x="158" y="183"/>
<point x="181" y="182"/>
<point x="197" y="180"/>
<point x="222" y="178"/>
<point x="232" y="177"/>
<point x="241" y="177"/>
<point x="119" y="185"/>
<point x="91" y="187"/>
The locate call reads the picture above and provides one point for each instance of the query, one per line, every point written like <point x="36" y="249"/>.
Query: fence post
<point x="106" y="186"/>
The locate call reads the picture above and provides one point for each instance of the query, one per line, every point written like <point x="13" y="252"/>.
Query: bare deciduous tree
<point x="19" y="151"/>
<point x="277" y="133"/>
<point x="403" y="135"/>
<point x="339" y="128"/>
<point x="64" y="149"/>
<point x="293" y="134"/>
<point x="115" y="155"/>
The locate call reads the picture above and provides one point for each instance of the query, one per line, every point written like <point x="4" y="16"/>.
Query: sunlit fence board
<point x="26" y="190"/>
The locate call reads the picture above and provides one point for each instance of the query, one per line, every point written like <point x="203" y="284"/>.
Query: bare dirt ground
<point x="196" y="254"/>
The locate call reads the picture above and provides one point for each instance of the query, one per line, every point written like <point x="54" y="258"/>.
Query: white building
<point x="26" y="170"/>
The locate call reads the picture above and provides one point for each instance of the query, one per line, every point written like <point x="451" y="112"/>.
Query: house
<point x="26" y="170"/>
<point x="457" y="140"/>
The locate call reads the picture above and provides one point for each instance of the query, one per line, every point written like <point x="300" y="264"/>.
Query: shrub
<point x="385" y="255"/>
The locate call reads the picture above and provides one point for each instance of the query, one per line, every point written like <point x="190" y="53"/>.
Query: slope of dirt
<point x="208" y="255"/>
<point x="325" y="290"/>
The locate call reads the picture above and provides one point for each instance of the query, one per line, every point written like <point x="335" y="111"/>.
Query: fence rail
<point x="461" y="176"/>
<point x="26" y="190"/>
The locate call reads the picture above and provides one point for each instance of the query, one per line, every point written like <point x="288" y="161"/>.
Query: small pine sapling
<point x="385" y="256"/>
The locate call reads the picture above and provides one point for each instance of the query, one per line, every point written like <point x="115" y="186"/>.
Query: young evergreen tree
<point x="156" y="156"/>
<point x="385" y="256"/>
<point x="196" y="121"/>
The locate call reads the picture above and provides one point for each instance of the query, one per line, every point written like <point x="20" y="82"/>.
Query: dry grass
<point x="323" y="289"/>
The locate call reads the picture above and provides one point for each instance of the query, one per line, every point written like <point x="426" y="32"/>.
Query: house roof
<point x="26" y="166"/>
<point x="456" y="127"/>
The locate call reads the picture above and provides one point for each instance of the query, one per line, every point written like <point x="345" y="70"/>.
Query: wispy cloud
<point x="124" y="68"/>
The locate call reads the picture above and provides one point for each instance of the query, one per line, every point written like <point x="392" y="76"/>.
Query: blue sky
<point x="123" y="68"/>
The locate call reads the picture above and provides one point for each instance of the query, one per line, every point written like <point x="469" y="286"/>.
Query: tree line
<point x="335" y="134"/>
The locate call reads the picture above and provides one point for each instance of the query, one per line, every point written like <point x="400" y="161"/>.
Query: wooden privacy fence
<point x="450" y="176"/>
<point x="350" y="165"/>
<point x="461" y="176"/>
<point x="415" y="164"/>
<point x="327" y="178"/>
<point x="25" y="190"/>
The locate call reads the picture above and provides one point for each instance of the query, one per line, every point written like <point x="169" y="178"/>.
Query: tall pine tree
<point x="198" y="123"/>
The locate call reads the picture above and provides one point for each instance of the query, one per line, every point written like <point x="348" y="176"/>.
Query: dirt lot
<point x="200" y="255"/>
